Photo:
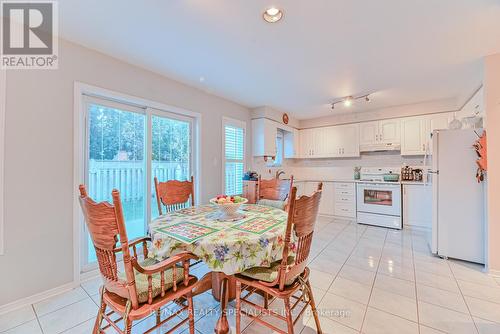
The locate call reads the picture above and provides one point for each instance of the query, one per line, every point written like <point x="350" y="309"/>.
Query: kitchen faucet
<point x="279" y="172"/>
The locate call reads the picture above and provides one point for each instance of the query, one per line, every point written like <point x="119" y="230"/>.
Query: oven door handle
<point x="391" y="187"/>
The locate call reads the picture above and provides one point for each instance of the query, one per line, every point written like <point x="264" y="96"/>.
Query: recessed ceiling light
<point x="272" y="15"/>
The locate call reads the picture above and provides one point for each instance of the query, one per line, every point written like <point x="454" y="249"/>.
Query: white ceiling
<point x="404" y="51"/>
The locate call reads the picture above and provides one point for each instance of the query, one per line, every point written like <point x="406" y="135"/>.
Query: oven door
<point x="383" y="199"/>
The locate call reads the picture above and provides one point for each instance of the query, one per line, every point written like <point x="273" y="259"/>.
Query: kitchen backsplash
<point x="328" y="169"/>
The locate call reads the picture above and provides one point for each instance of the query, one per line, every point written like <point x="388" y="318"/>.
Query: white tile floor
<point x="366" y="280"/>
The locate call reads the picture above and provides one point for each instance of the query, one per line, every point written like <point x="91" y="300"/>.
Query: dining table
<point x="252" y="238"/>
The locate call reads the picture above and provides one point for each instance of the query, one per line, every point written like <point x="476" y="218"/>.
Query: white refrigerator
<point x="458" y="222"/>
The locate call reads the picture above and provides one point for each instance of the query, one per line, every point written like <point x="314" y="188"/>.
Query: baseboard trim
<point x="494" y="273"/>
<point x="37" y="297"/>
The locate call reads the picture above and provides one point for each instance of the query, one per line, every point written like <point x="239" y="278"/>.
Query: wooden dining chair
<point x="174" y="195"/>
<point x="274" y="192"/>
<point x="146" y="285"/>
<point x="284" y="278"/>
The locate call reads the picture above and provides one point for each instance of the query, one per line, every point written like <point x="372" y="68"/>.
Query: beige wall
<point x="492" y="106"/>
<point x="39" y="158"/>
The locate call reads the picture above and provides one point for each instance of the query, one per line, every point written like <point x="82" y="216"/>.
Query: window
<point x="126" y="147"/>
<point x="171" y="151"/>
<point x="234" y="156"/>
<point x="278" y="159"/>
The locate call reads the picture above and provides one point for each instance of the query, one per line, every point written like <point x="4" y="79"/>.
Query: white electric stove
<point x="379" y="202"/>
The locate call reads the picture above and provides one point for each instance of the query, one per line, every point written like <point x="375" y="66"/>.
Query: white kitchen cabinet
<point x="437" y="122"/>
<point x="340" y="141"/>
<point x="390" y="131"/>
<point x="440" y="121"/>
<point x="368" y="133"/>
<point x="306" y="143"/>
<point x="473" y="107"/>
<point x="416" y="132"/>
<point x="300" y="187"/>
<point x="326" y="204"/>
<point x="320" y="143"/>
<point x="310" y="187"/>
<point x="345" y="140"/>
<point x="417" y="205"/>
<point x="379" y="134"/>
<point x="345" y="199"/>
<point x="264" y="133"/>
<point x="414" y="135"/>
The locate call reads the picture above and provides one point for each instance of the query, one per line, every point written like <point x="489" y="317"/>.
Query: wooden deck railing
<point x="128" y="177"/>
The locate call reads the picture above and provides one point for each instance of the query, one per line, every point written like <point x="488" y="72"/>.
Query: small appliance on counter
<point x="386" y="174"/>
<point x="251" y="176"/>
<point x="412" y="174"/>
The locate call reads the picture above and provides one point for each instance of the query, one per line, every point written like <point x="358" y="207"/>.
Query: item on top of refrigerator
<point x="455" y="124"/>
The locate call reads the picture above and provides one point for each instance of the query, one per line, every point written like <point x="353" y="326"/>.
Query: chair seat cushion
<point x="273" y="203"/>
<point x="141" y="280"/>
<point x="269" y="274"/>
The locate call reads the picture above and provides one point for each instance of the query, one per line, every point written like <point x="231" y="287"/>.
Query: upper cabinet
<point x="368" y="133"/>
<point x="410" y="134"/>
<point x="346" y="141"/>
<point x="473" y="107"/>
<point x="416" y="132"/>
<point x="264" y="133"/>
<point x="380" y="135"/>
<point x="390" y="132"/>
<point x="306" y="143"/>
<point x="413" y="136"/>
<point x="330" y="142"/>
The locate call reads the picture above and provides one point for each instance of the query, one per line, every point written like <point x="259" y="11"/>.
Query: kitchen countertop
<point x="359" y="181"/>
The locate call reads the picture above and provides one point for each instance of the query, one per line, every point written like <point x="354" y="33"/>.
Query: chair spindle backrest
<point x="174" y="195"/>
<point x="106" y="227"/>
<point x="275" y="189"/>
<point x="302" y="215"/>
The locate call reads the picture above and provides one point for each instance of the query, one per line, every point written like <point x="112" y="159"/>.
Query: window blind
<point x="234" y="159"/>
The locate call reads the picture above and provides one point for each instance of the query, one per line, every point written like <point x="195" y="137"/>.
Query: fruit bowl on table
<point x="228" y="206"/>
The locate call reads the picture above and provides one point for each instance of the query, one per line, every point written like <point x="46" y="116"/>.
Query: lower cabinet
<point x="326" y="205"/>
<point x="250" y="191"/>
<point x="417" y="205"/>
<point x="337" y="199"/>
<point x="345" y="199"/>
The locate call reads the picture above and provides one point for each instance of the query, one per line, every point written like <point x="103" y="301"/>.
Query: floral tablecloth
<point x="257" y="239"/>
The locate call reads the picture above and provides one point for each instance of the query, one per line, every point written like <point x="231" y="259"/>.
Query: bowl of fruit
<point x="228" y="206"/>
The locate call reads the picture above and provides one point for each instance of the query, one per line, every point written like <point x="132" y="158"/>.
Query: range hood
<point x="380" y="147"/>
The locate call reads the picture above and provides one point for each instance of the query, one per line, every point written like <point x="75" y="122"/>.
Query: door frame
<point x="81" y="91"/>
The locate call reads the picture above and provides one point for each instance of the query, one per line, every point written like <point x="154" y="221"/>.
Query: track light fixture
<point x="348" y="100"/>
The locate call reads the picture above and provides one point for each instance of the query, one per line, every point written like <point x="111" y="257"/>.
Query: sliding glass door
<point x="171" y="151"/>
<point x="127" y="147"/>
